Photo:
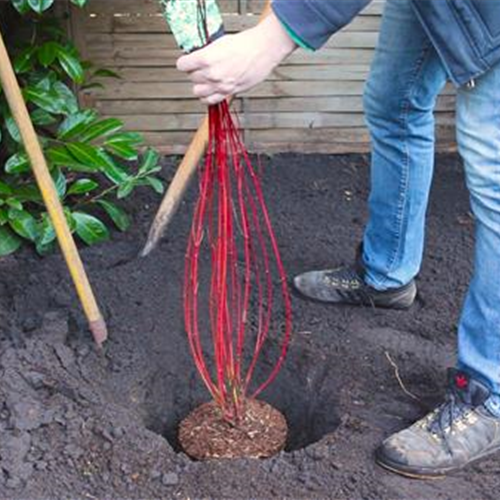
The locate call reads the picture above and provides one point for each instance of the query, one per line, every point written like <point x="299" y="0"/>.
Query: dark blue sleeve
<point x="315" y="21"/>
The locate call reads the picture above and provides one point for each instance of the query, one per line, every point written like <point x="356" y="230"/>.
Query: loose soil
<point x="261" y="432"/>
<point x="78" y="424"/>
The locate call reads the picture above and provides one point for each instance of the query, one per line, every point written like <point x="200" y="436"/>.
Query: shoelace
<point x="447" y="414"/>
<point x="350" y="274"/>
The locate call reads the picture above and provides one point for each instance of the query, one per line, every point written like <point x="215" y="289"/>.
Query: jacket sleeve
<point x="315" y="21"/>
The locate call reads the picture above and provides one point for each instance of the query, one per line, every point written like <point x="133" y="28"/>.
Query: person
<point x="422" y="45"/>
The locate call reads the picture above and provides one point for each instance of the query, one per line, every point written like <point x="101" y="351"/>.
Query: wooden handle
<point x="45" y="183"/>
<point x="182" y="178"/>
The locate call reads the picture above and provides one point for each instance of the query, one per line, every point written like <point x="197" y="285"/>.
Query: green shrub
<point x="93" y="161"/>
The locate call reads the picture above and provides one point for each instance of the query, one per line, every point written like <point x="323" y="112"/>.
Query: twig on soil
<point x="398" y="377"/>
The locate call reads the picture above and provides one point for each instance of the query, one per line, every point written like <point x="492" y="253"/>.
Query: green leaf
<point x="24" y="224"/>
<point x="9" y="242"/>
<point x="150" y="162"/>
<point x="60" y="156"/>
<point x="40" y="6"/>
<point x="28" y="192"/>
<point x="83" y="186"/>
<point x="87" y="65"/>
<point x="89" y="228"/>
<point x="69" y="98"/>
<point x="112" y="171"/>
<point x="48" y="100"/>
<point x="93" y="85"/>
<point x="124" y="145"/>
<point x="41" y="117"/>
<point x="132" y="138"/>
<point x="101" y="128"/>
<point x="125" y="189"/>
<point x="47" y="53"/>
<point x="59" y="182"/>
<point x="5" y="188"/>
<point x="87" y="155"/>
<point x="123" y="150"/>
<point x="70" y="219"/>
<point x="17" y="164"/>
<point x="117" y="214"/>
<point x="13" y="129"/>
<point x="24" y="60"/>
<point x="106" y="73"/>
<point x="22" y="6"/>
<point x="75" y="123"/>
<point x="80" y="3"/>
<point x="4" y="217"/>
<point x="45" y="81"/>
<point x="70" y="64"/>
<point x="156" y="184"/>
<point x="46" y="236"/>
<point x="14" y="203"/>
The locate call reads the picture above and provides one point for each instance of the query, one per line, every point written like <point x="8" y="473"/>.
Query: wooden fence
<point x="313" y="103"/>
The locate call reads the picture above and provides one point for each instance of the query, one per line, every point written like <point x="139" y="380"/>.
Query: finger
<point x="199" y="77"/>
<point x="203" y="91"/>
<point x="191" y="62"/>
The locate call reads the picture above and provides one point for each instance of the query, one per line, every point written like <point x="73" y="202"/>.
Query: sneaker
<point x="346" y="285"/>
<point x="457" y="433"/>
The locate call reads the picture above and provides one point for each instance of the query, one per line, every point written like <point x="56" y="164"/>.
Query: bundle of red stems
<point x="244" y="299"/>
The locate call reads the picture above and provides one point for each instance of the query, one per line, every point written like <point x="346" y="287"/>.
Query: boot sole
<point x="426" y="474"/>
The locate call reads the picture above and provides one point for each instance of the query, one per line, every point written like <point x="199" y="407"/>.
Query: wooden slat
<point x="175" y="90"/>
<point x="155" y="23"/>
<point x="161" y="57"/>
<point x="105" y="42"/>
<point x="128" y="7"/>
<point x="285" y="72"/>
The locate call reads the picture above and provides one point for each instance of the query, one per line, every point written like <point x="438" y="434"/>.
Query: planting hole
<point x="305" y="392"/>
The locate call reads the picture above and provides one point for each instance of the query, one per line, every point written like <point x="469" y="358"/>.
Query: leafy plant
<point x="94" y="162"/>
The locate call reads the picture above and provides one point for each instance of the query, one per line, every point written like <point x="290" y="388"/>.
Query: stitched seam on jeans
<point x="403" y="186"/>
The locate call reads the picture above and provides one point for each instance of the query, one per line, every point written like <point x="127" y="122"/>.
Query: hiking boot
<point x="460" y="431"/>
<point x="346" y="285"/>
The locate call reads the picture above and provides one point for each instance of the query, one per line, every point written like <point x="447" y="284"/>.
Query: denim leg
<point x="400" y="95"/>
<point x="478" y="135"/>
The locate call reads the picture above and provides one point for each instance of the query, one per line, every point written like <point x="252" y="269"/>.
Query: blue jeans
<point x="406" y="77"/>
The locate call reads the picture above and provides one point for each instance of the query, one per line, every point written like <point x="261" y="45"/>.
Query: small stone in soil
<point x="118" y="432"/>
<point x="170" y="479"/>
<point x="13" y="482"/>
<point x="155" y="474"/>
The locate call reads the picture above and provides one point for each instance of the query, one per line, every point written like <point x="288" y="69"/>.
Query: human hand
<point x="236" y="63"/>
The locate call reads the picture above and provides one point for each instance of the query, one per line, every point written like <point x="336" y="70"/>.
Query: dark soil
<point x="260" y="433"/>
<point x="78" y="424"/>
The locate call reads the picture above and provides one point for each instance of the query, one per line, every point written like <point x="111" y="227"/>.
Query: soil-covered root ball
<point x="261" y="433"/>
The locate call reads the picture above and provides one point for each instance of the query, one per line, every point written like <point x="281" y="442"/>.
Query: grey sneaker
<point x="346" y="285"/>
<point x="460" y="431"/>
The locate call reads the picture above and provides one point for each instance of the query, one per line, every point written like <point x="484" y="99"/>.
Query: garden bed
<point x="79" y="424"/>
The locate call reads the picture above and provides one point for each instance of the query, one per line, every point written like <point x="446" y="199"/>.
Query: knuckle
<point x="212" y="74"/>
<point x="227" y="88"/>
<point x="198" y="90"/>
